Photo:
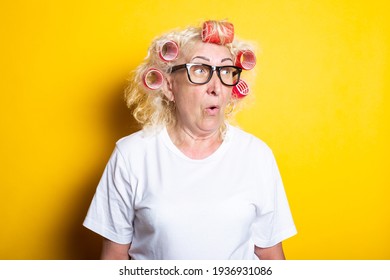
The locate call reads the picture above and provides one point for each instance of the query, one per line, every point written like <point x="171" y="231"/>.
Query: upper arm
<point x="114" y="251"/>
<point x="271" y="253"/>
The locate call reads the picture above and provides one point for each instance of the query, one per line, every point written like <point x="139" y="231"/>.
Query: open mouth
<point x="212" y="110"/>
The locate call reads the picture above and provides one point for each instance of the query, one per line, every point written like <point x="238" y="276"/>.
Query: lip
<point x="212" y="110"/>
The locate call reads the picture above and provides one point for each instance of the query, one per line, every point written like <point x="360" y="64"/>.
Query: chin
<point x="212" y="125"/>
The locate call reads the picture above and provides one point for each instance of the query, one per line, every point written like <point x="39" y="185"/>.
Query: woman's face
<point x="200" y="108"/>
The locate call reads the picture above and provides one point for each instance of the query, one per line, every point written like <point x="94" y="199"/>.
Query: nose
<point x="214" y="85"/>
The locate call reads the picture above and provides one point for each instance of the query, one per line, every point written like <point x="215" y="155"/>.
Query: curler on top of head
<point x="240" y="90"/>
<point x="217" y="33"/>
<point x="246" y="59"/>
<point x="169" y="50"/>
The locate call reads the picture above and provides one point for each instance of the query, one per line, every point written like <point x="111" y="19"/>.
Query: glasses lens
<point x="199" y="73"/>
<point x="230" y="75"/>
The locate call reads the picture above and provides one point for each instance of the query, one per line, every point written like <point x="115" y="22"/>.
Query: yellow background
<point x="321" y="103"/>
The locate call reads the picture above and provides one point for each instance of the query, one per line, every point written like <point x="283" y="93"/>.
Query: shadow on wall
<point x="81" y="243"/>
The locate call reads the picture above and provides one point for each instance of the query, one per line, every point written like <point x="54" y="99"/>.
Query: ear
<point x="168" y="85"/>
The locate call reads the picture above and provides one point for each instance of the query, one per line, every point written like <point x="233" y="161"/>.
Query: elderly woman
<point x="189" y="185"/>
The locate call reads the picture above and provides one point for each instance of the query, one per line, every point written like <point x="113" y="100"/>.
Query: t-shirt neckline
<point x="218" y="153"/>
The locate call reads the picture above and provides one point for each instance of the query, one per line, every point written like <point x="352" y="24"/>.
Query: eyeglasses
<point x="201" y="74"/>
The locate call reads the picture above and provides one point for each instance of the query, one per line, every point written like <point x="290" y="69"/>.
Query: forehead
<point x="212" y="52"/>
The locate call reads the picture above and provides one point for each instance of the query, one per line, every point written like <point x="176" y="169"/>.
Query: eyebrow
<point x="201" y="57"/>
<point x="226" y="59"/>
<point x="205" y="58"/>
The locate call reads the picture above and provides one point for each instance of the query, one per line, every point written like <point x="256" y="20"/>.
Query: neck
<point x="195" y="146"/>
<point x="197" y="138"/>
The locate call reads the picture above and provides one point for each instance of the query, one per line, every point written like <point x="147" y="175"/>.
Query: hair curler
<point x="169" y="50"/>
<point x="240" y="90"/>
<point x="210" y="33"/>
<point x="153" y="78"/>
<point x="246" y="59"/>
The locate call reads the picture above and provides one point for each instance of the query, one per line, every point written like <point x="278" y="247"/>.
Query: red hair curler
<point x="169" y="50"/>
<point x="210" y="33"/>
<point x="240" y="90"/>
<point x="246" y="60"/>
<point x="153" y="78"/>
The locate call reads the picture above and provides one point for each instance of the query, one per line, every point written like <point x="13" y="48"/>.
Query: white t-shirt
<point x="169" y="206"/>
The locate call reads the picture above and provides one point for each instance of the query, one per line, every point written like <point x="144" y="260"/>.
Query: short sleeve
<point x="111" y="212"/>
<point x="274" y="222"/>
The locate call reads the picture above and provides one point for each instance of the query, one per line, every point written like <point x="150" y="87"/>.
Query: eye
<point x="199" y="70"/>
<point x="227" y="71"/>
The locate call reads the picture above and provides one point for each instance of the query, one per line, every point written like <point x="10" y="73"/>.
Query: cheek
<point x="227" y="95"/>
<point x="188" y="98"/>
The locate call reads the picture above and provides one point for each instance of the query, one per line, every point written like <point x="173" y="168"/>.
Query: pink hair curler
<point x="240" y="90"/>
<point x="210" y="33"/>
<point x="169" y="50"/>
<point x="153" y="78"/>
<point x="246" y="60"/>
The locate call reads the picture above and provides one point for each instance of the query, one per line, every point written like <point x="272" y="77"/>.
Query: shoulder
<point x="136" y="143"/>
<point x="246" y="141"/>
<point x="134" y="138"/>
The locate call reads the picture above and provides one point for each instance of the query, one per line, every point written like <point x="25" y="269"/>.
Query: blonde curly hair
<point x="151" y="108"/>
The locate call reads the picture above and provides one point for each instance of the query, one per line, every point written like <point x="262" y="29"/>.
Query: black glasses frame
<point x="217" y="69"/>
